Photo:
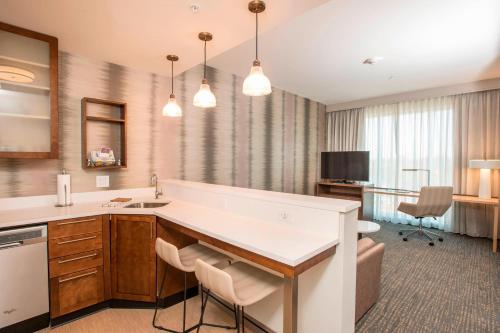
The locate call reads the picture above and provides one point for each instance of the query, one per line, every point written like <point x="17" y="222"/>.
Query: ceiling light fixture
<point x="204" y="98"/>
<point x="256" y="83"/>
<point x="172" y="109"/>
<point x="14" y="74"/>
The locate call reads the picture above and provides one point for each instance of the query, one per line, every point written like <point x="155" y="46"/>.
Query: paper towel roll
<point x="63" y="190"/>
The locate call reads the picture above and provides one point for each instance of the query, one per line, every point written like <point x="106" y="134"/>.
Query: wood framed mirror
<point x="28" y="94"/>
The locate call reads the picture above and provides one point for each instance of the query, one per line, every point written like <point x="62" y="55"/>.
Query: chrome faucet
<point x="154" y="181"/>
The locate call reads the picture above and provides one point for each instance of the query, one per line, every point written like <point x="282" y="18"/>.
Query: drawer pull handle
<point x="76" y="240"/>
<point x="75" y="222"/>
<point x="75" y="259"/>
<point x="77" y="277"/>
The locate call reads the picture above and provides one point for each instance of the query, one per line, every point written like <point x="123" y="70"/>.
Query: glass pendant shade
<point x="256" y="83"/>
<point x="204" y="98"/>
<point x="172" y="109"/>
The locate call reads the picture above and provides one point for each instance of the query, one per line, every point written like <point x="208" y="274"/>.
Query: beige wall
<point x="270" y="142"/>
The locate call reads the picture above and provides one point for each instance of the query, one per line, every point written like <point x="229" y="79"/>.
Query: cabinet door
<point x="133" y="257"/>
<point x="28" y="102"/>
<point x="76" y="291"/>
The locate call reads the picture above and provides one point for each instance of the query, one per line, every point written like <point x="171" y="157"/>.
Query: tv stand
<point x="349" y="191"/>
<point x="343" y="181"/>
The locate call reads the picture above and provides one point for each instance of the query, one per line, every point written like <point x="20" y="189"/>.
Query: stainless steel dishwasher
<point x="24" y="288"/>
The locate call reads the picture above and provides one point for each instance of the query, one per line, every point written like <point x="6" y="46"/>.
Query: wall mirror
<point x="28" y="94"/>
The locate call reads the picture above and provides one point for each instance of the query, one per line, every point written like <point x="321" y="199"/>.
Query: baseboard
<point x="29" y="325"/>
<point x="117" y="304"/>
<point x="64" y="319"/>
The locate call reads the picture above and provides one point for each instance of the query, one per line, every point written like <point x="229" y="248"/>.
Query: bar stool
<point x="239" y="283"/>
<point x="184" y="260"/>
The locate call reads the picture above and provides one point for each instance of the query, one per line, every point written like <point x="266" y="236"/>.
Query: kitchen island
<point x="309" y="241"/>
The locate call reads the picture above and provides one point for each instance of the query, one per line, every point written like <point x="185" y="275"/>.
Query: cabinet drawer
<point x="75" y="291"/>
<point x="65" y="246"/>
<point x="76" y="226"/>
<point x="75" y="263"/>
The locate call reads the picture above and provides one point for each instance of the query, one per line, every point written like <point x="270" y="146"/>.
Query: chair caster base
<point x="405" y="239"/>
<point x="400" y="233"/>
<point x="431" y="243"/>
<point x="440" y="239"/>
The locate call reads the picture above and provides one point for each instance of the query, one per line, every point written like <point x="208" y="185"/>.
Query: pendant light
<point x="204" y="98"/>
<point x="256" y="83"/>
<point x="172" y="109"/>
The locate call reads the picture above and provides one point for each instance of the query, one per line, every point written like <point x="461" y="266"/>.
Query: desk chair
<point x="433" y="201"/>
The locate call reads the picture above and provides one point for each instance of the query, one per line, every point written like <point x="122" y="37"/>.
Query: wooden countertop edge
<point x="286" y="270"/>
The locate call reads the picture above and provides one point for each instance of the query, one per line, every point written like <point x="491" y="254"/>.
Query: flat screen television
<point x="346" y="166"/>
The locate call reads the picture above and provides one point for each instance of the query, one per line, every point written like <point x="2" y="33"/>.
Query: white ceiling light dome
<point x="15" y="74"/>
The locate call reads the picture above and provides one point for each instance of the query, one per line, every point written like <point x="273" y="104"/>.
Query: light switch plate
<point x="102" y="181"/>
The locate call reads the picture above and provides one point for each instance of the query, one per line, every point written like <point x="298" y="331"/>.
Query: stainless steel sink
<point x="146" y="205"/>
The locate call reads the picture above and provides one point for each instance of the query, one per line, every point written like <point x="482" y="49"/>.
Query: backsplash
<point x="266" y="143"/>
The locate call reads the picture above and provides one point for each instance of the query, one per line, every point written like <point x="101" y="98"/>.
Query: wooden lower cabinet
<point x="78" y="264"/>
<point x="98" y="258"/>
<point x="133" y="257"/>
<point x="76" y="291"/>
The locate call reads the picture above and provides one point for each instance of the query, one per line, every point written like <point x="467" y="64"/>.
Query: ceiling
<point x="139" y="33"/>
<point x="425" y="44"/>
<point x="313" y="48"/>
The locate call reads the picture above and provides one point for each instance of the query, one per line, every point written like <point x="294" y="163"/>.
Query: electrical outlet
<point x="102" y="181"/>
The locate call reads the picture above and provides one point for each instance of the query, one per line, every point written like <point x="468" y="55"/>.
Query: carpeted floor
<point x="453" y="287"/>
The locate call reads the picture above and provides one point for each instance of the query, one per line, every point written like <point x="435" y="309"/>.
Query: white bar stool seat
<point x="239" y="283"/>
<point x="184" y="260"/>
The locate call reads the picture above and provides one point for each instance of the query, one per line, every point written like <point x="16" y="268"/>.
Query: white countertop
<point x="281" y="242"/>
<point x="278" y="241"/>
<point x="330" y="204"/>
<point x="26" y="216"/>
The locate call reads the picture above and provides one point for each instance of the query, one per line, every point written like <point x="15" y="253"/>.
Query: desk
<point x="466" y="199"/>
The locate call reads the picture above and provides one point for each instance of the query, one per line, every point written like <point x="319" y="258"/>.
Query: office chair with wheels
<point x="433" y="201"/>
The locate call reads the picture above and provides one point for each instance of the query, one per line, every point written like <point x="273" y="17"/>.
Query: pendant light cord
<point x="172" y="78"/>
<point x="205" y="62"/>
<point x="256" y="36"/>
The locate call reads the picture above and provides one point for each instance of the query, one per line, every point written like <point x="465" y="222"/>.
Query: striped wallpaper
<point x="270" y="142"/>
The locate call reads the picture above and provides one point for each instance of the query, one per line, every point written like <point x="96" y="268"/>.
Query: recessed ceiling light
<point x="372" y="60"/>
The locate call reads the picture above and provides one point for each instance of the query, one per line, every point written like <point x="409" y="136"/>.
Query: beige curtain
<point x="476" y="136"/>
<point x="345" y="130"/>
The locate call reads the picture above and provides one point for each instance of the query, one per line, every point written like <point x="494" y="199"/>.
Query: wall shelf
<point x="27" y="116"/>
<point x="2" y="57"/>
<point x="112" y="130"/>
<point x="24" y="85"/>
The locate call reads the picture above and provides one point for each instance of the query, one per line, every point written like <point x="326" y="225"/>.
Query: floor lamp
<point x="484" y="175"/>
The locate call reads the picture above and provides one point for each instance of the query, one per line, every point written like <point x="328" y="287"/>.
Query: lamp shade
<point x="256" y="83"/>
<point x="172" y="109"/>
<point x="484" y="175"/>
<point x="484" y="164"/>
<point x="204" y="98"/>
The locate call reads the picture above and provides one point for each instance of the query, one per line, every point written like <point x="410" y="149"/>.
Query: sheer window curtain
<point x="345" y="130"/>
<point x="409" y="135"/>
<point x="440" y="134"/>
